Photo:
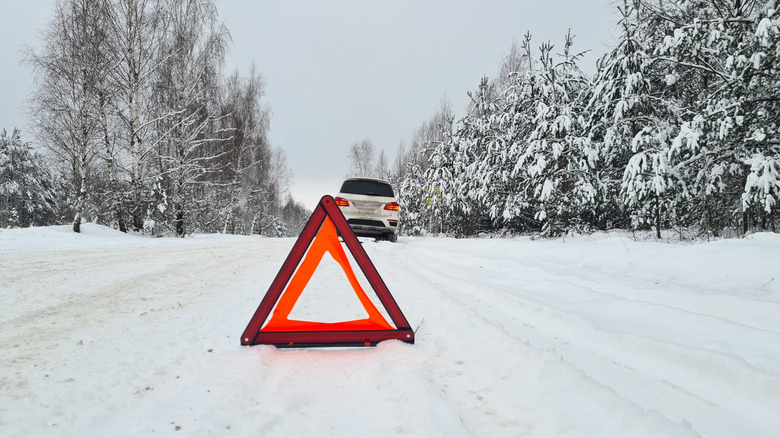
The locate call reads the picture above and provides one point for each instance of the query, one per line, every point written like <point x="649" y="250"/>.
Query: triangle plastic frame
<point x="325" y="337"/>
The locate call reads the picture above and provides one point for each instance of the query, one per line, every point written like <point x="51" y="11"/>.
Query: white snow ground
<point x="103" y="334"/>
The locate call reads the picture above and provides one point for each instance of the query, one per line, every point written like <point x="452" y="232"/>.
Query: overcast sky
<point x="338" y="71"/>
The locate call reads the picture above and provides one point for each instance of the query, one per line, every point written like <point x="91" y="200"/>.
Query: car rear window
<point x="371" y="188"/>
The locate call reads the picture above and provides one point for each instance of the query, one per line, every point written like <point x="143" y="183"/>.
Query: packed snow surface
<point x="106" y="334"/>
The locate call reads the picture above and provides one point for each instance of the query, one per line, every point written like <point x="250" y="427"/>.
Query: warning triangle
<point x="319" y="237"/>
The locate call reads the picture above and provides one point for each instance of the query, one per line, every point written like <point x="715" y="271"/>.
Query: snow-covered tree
<point x="138" y="28"/>
<point x="472" y="173"/>
<point x="27" y="189"/>
<point x="451" y="184"/>
<point x="421" y="202"/>
<point x="558" y="158"/>
<point x="64" y="104"/>
<point x="275" y="191"/>
<point x="244" y="163"/>
<point x="186" y="86"/>
<point x="678" y="129"/>
<point x="131" y="103"/>
<point x="502" y="186"/>
<point x="728" y="141"/>
<point x="632" y="122"/>
<point x="752" y="103"/>
<point x="429" y="134"/>
<point x="519" y="160"/>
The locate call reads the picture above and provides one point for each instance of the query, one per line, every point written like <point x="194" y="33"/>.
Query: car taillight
<point x="341" y="202"/>
<point x="392" y="206"/>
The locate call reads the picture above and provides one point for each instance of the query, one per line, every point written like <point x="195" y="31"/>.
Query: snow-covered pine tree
<point x="761" y="110"/>
<point x="27" y="189"/>
<point x="631" y="122"/>
<point x="727" y="145"/>
<point x="500" y="189"/>
<point x="558" y="158"/>
<point x="453" y="178"/>
<point x="430" y="133"/>
<point x="420" y="212"/>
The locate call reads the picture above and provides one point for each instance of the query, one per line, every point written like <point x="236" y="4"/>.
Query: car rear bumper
<point x="368" y="227"/>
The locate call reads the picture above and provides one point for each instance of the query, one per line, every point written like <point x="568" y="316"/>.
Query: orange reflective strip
<point x="327" y="240"/>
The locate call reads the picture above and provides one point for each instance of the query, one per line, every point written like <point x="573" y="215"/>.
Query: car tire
<point x="392" y="237"/>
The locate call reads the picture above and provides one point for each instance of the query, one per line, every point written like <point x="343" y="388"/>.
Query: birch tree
<point x="361" y="158"/>
<point x="138" y="27"/>
<point x="65" y="98"/>
<point x="186" y="88"/>
<point x="246" y="160"/>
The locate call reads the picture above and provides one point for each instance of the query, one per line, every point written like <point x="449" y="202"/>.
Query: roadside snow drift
<point x="105" y="334"/>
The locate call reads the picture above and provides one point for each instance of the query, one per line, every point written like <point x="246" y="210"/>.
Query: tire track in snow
<point x="641" y="370"/>
<point x="134" y="289"/>
<point x="121" y="277"/>
<point x="141" y="318"/>
<point x="459" y="334"/>
<point x="626" y="283"/>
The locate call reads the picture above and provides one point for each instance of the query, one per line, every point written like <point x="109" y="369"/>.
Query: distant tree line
<point x="677" y="130"/>
<point x="142" y="130"/>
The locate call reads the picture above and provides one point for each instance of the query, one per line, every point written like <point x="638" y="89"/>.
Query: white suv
<point x="370" y="207"/>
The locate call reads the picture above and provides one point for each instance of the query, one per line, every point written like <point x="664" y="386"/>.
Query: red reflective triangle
<point x="320" y="235"/>
<point x="326" y="240"/>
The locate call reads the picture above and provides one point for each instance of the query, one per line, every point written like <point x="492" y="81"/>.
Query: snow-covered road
<point x="104" y="334"/>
